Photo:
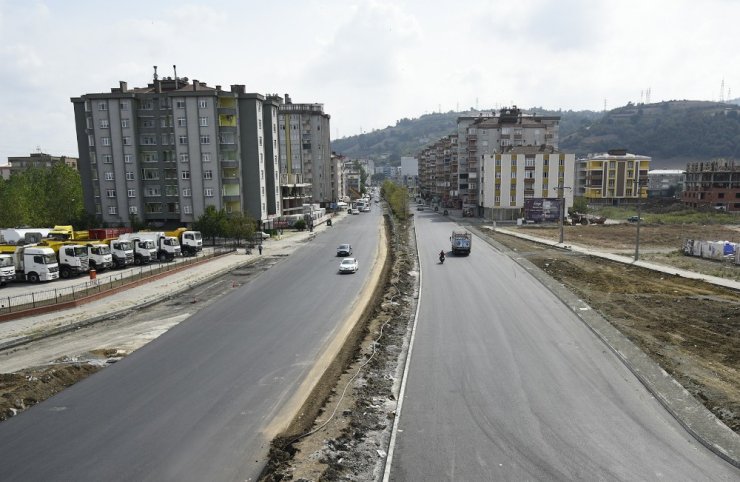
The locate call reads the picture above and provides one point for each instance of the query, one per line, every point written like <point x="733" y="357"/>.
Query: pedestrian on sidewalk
<point x="260" y="248"/>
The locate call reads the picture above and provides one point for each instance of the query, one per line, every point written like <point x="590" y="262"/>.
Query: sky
<point x="370" y="63"/>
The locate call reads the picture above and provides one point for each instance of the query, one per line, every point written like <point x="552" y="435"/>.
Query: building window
<point x="205" y="139"/>
<point x="133" y="210"/>
<point x="105" y="141"/>
<point x="104" y="123"/>
<point x="150" y="174"/>
<point x="128" y="159"/>
<point x="102" y="106"/>
<point x="185" y="175"/>
<point x="184" y="157"/>
<point x="147" y="105"/>
<point x="187" y="192"/>
<point x="180" y="104"/>
<point x="208" y="192"/>
<point x="202" y="104"/>
<point x="150" y="156"/>
<point x="152" y="191"/>
<point x="130" y="176"/>
<point x="205" y="157"/>
<point x="187" y="209"/>
<point x="131" y="192"/>
<point x="124" y="123"/>
<point x="183" y="140"/>
<point x="207" y="174"/>
<point x="182" y="122"/>
<point x="513" y="174"/>
<point x="107" y="159"/>
<point x="110" y="192"/>
<point x="147" y="123"/>
<point x="112" y="210"/>
<point x="204" y="121"/>
<point x="126" y="141"/>
<point x="148" y="140"/>
<point x="108" y="176"/>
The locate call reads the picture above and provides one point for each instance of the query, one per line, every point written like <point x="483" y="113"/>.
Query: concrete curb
<point x="702" y="424"/>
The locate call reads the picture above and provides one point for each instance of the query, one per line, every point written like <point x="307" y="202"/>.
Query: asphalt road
<point x="200" y="402"/>
<point x="506" y="383"/>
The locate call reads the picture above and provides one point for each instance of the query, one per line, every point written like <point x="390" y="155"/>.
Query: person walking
<point x="260" y="248"/>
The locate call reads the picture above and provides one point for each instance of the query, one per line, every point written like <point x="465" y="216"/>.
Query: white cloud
<point x="369" y="62"/>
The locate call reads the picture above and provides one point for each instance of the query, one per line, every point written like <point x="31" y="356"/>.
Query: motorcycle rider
<point x="442" y="256"/>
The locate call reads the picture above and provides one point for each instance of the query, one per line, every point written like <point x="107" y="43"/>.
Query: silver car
<point x="348" y="265"/>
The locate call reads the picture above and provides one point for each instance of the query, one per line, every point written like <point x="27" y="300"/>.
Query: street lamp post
<point x="561" y="208"/>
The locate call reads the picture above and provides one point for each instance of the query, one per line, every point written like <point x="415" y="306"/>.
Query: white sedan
<point x="348" y="265"/>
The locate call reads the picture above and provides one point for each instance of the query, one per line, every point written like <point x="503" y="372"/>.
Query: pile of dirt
<point x="26" y="388"/>
<point x="689" y="327"/>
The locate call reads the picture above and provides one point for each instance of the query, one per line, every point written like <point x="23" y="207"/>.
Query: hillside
<point x="672" y="133"/>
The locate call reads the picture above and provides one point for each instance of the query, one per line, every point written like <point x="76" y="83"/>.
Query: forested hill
<point x="672" y="133"/>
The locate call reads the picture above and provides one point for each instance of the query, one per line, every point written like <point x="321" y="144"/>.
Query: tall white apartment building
<point x="522" y="173"/>
<point x="162" y="153"/>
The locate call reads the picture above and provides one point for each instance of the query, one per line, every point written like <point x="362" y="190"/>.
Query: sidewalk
<point x="22" y="330"/>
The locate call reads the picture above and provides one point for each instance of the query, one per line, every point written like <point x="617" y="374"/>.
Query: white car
<point x="261" y="235"/>
<point x="348" y="265"/>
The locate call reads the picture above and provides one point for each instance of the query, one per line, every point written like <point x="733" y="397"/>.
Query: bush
<point x="300" y="225"/>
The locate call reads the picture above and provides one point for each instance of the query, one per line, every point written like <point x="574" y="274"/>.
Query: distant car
<point x="366" y="209"/>
<point x="419" y="207"/>
<point x="354" y="211"/>
<point x="261" y="235"/>
<point x="348" y="265"/>
<point x="344" y="250"/>
<point x="633" y="219"/>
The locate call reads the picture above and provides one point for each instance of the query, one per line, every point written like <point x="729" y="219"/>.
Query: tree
<point x="240" y="226"/>
<point x="580" y="205"/>
<point x="211" y="223"/>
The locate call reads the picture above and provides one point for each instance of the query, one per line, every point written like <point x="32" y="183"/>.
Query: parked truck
<point x="7" y="268"/>
<point x="191" y="242"/>
<point x="145" y="251"/>
<point x="98" y="254"/>
<point x="73" y="259"/>
<point x="461" y="242"/>
<point x="167" y="247"/>
<point x="122" y="252"/>
<point x="33" y="263"/>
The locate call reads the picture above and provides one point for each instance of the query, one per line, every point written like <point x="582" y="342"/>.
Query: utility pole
<point x="561" y="197"/>
<point x="637" y="237"/>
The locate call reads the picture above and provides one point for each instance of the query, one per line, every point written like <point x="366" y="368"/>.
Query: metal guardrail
<point x="101" y="284"/>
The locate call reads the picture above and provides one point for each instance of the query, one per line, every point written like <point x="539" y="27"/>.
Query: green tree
<point x="63" y="183"/>
<point x="212" y="223"/>
<point x="240" y="226"/>
<point x="580" y="205"/>
<point x="397" y="198"/>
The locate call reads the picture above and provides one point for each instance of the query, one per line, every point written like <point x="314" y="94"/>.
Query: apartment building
<point x="613" y="177"/>
<point x="714" y="184"/>
<point x="489" y="133"/>
<point x="438" y="172"/>
<point x="162" y="153"/>
<point x="305" y="152"/>
<point x="523" y="173"/>
<point x="39" y="160"/>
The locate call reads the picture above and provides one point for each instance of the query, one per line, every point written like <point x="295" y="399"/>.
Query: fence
<point x="101" y="284"/>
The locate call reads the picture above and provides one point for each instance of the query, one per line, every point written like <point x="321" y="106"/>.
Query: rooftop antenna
<point x="605" y="105"/>
<point x="642" y="100"/>
<point x="174" y="67"/>
<point x="647" y="95"/>
<point x="722" y="91"/>
<point x="155" y="73"/>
